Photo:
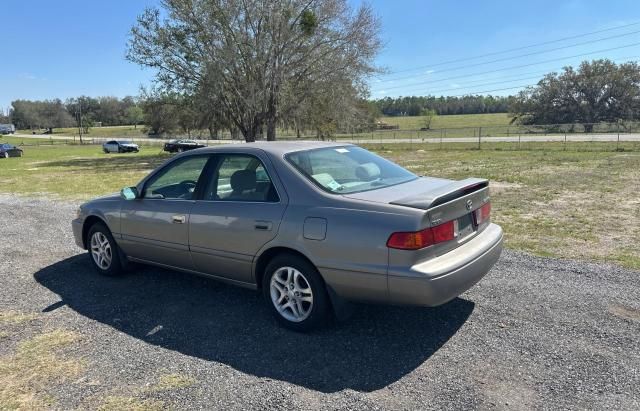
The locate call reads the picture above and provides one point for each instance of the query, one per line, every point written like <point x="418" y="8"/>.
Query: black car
<point x="8" y="150"/>
<point x="178" y="146"/>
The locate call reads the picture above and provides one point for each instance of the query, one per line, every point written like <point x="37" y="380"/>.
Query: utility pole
<point x="80" y="121"/>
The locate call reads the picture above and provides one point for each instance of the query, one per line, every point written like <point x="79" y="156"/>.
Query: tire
<point x="180" y="150"/>
<point x="305" y="306"/>
<point x="105" y="151"/>
<point x="120" y="150"/>
<point x="5" y="155"/>
<point x="103" y="251"/>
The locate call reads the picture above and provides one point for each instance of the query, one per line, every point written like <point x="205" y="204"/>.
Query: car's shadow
<point x="199" y="317"/>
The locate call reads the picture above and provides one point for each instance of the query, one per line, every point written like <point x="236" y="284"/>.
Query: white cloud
<point x="28" y="76"/>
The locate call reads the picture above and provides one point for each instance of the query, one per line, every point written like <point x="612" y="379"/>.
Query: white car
<point x="120" y="146"/>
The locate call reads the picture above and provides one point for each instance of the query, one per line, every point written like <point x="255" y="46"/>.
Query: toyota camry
<point x="309" y="224"/>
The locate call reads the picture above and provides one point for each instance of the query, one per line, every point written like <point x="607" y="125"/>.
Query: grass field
<point x="451" y="121"/>
<point x="487" y="121"/>
<point x="577" y="200"/>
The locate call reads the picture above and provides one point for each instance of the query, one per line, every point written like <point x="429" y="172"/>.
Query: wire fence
<point x="608" y="136"/>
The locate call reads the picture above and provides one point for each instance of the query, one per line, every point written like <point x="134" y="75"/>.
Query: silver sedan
<point x="310" y="224"/>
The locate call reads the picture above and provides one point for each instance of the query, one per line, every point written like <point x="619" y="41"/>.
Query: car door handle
<point x="178" y="219"/>
<point x="263" y="225"/>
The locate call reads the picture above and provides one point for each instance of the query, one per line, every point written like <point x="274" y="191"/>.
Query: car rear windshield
<point x="349" y="169"/>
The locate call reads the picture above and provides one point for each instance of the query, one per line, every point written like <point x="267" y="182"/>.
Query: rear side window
<point x="345" y="170"/>
<point x="240" y="177"/>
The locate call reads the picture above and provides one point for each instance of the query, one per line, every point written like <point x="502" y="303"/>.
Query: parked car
<point x="120" y="146"/>
<point x="7" y="129"/>
<point x="311" y="224"/>
<point x="178" y="146"/>
<point x="8" y="150"/>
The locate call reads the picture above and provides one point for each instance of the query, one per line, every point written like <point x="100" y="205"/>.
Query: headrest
<point x="368" y="171"/>
<point x="243" y="180"/>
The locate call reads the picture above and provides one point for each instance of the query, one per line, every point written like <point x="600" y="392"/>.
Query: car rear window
<point x="349" y="169"/>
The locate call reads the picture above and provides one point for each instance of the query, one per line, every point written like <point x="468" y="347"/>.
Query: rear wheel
<point x="103" y="250"/>
<point x="5" y="155"/>
<point x="295" y="293"/>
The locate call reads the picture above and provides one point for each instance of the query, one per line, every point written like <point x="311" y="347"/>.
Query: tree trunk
<point x="271" y="130"/>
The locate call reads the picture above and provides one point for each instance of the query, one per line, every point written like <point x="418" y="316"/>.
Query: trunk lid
<point x="440" y="197"/>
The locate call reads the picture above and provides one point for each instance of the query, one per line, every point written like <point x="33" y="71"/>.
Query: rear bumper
<point x="443" y="278"/>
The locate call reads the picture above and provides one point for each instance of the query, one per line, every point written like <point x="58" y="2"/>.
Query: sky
<point x="67" y="48"/>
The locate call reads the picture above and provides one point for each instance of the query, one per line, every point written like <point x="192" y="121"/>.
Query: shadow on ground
<point x="110" y="161"/>
<point x="206" y="319"/>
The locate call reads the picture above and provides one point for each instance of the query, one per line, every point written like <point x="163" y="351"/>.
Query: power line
<point x="490" y="91"/>
<point x="516" y="48"/>
<point x="510" y="68"/>
<point x="539" y="75"/>
<point x="523" y="55"/>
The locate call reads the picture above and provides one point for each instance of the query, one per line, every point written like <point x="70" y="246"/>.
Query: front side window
<point x="350" y="169"/>
<point x="240" y="177"/>
<point x="178" y="180"/>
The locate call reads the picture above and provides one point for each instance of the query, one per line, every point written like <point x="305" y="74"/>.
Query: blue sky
<point x="71" y="47"/>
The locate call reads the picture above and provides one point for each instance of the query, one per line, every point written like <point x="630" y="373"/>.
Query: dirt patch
<point x="628" y="313"/>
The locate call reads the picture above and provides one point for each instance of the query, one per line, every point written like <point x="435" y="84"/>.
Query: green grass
<point x="574" y="200"/>
<point x="74" y="171"/>
<point x="450" y="121"/>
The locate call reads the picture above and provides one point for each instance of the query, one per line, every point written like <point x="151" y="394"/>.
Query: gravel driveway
<point x="535" y="333"/>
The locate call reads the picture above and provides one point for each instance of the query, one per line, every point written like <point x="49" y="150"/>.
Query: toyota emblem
<point x="469" y="204"/>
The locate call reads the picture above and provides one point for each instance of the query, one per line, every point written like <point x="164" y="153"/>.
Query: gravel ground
<point x="535" y="333"/>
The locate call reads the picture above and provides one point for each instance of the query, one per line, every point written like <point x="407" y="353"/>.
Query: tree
<point x="428" y="115"/>
<point x="135" y="115"/>
<point x="247" y="55"/>
<point x="598" y="91"/>
<point x="160" y="110"/>
<point x="48" y="114"/>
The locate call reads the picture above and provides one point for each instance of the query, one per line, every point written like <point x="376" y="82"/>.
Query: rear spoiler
<point x="443" y="194"/>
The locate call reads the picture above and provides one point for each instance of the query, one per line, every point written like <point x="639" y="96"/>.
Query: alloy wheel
<point x="291" y="294"/>
<point x="101" y="250"/>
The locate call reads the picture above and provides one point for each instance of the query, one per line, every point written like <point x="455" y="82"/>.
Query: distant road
<point x="386" y="140"/>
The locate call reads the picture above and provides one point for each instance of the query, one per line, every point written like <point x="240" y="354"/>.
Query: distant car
<point x="178" y="146"/>
<point x="8" y="150"/>
<point x="120" y="146"/>
<point x="7" y="129"/>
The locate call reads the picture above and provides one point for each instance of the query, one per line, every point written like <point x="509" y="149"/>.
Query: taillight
<point x="423" y="238"/>
<point x="482" y="214"/>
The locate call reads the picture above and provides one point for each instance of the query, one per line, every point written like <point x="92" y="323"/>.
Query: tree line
<point x="73" y="112"/>
<point x="443" y="105"/>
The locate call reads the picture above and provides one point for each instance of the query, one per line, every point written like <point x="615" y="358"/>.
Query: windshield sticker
<point x="342" y="150"/>
<point x="334" y="185"/>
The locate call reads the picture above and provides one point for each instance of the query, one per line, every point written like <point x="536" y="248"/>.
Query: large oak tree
<point x="598" y="91"/>
<point x="257" y="61"/>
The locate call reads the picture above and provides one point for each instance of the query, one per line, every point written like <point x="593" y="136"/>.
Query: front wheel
<point x="295" y="293"/>
<point x="103" y="250"/>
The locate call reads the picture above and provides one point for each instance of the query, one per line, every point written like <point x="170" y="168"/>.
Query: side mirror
<point x="129" y="193"/>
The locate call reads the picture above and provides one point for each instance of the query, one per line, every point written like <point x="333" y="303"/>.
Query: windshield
<point x="345" y="170"/>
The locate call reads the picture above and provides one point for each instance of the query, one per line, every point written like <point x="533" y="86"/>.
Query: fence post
<point x="479" y="136"/>
<point x="519" y="141"/>
<point x="565" y="141"/>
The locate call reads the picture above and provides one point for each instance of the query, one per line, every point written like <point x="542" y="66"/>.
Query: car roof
<point x="278" y="148"/>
